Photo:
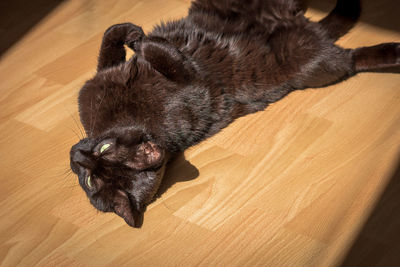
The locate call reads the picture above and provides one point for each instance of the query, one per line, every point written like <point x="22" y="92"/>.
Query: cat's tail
<point x="342" y="18"/>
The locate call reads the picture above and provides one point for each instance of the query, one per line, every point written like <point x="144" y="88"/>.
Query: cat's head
<point x="120" y="171"/>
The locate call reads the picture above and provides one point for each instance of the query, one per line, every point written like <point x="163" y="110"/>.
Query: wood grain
<point x="291" y="186"/>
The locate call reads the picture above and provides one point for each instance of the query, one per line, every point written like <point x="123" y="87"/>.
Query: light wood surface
<point x="291" y="186"/>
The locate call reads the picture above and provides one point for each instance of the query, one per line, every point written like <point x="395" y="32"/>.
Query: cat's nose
<point x="82" y="158"/>
<point x="80" y="154"/>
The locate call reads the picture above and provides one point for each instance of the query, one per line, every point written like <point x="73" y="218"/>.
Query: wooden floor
<point x="294" y="185"/>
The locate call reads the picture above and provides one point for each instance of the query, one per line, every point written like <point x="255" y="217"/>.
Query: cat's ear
<point x="147" y="155"/>
<point x="123" y="208"/>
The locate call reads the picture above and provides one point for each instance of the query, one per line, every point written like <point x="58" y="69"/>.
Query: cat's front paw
<point x="134" y="38"/>
<point x="119" y="33"/>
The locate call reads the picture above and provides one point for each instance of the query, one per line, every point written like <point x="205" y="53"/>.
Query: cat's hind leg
<point x="259" y="17"/>
<point x="254" y="9"/>
<point x="338" y="64"/>
<point x="342" y="18"/>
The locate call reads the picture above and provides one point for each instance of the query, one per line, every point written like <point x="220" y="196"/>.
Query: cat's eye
<point x="104" y="147"/>
<point x="89" y="182"/>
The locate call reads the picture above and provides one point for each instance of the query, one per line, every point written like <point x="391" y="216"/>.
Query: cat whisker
<point x="67" y="171"/>
<point x="80" y="129"/>
<point x="91" y="117"/>
<point x="82" y="135"/>
<point x="76" y="134"/>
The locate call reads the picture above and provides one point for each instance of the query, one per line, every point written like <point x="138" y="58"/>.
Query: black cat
<point x="190" y="78"/>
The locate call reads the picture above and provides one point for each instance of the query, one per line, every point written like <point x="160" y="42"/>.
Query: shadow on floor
<point x="178" y="170"/>
<point x="378" y="243"/>
<point x="17" y="17"/>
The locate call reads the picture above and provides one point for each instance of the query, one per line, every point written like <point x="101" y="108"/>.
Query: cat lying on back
<point x="190" y="78"/>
